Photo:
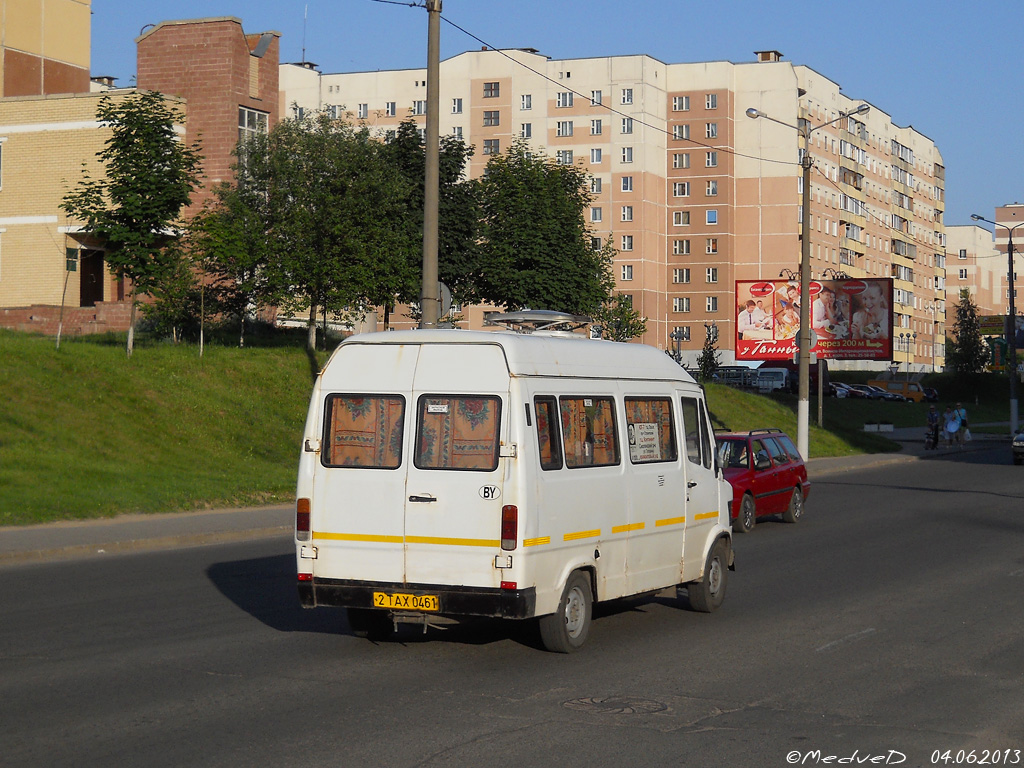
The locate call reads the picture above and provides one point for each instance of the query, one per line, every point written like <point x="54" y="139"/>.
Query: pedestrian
<point x="950" y="426"/>
<point x="932" y="440"/>
<point x="961" y="414"/>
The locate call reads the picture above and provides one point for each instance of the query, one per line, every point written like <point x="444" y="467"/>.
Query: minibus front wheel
<point x="565" y="630"/>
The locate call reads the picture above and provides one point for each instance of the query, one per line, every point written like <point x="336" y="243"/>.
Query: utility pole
<point x="430" y="295"/>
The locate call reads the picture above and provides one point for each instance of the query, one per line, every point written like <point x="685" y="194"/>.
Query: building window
<point x="963" y="253"/>
<point x="491" y="90"/>
<point x="419" y="107"/>
<point x="680" y="103"/>
<point x="627" y="183"/>
<point x="711" y="130"/>
<point x="492" y="118"/>
<point x="681" y="304"/>
<point x="250" y="123"/>
<point x="456" y="106"/>
<point x="627" y="271"/>
<point x="563" y="157"/>
<point x="711" y="190"/>
<point x="595" y="243"/>
<point x="389" y="109"/>
<point x="711" y="217"/>
<point x="627" y="125"/>
<point x="681" y="248"/>
<point x="595" y="185"/>
<point x="711" y="303"/>
<point x="457" y="131"/>
<point x="680" y="132"/>
<point x="526" y="101"/>
<point x="627" y="245"/>
<point x="492" y="146"/>
<point x="627" y="95"/>
<point x="711" y="101"/>
<point x="681" y="275"/>
<point x="963" y="274"/>
<point x="627" y="154"/>
<point x="595" y="215"/>
<point x="711" y="275"/>
<point x="363" y="111"/>
<point x="711" y="160"/>
<point x="681" y="160"/>
<point x="681" y="218"/>
<point x="595" y="127"/>
<point x="563" y="128"/>
<point x="712" y="245"/>
<point x="563" y="99"/>
<point x="681" y="332"/>
<point x="595" y="155"/>
<point x="595" y="98"/>
<point x="526" y="130"/>
<point x="680" y="189"/>
<point x="627" y="213"/>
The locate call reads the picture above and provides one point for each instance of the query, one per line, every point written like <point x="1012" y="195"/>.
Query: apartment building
<point x="45" y="47"/>
<point x="975" y="265"/>
<point x="694" y="193"/>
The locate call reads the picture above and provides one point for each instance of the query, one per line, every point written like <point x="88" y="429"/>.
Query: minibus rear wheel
<point x="565" y="630"/>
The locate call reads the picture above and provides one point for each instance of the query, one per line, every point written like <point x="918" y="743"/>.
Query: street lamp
<point x="1011" y="331"/>
<point x="803" y="372"/>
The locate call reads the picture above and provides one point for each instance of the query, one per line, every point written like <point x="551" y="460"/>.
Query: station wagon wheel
<point x="709" y="593"/>
<point x="567" y="628"/>
<point x="796" y="506"/>
<point x="747" y="517"/>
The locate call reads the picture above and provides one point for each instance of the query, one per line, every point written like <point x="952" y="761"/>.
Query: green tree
<point x="966" y="351"/>
<point x="617" y="319"/>
<point x="174" y="308"/>
<point x="536" y="246"/>
<point x="708" y="362"/>
<point x="133" y="207"/>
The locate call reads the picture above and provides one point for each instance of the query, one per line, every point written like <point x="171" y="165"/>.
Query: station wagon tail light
<point x="302" y="519"/>
<point x="509" y="526"/>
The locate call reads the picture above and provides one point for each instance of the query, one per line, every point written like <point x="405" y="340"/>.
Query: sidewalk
<point x="128" y="533"/>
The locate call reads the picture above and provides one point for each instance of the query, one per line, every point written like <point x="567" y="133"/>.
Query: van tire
<point x="370" y="624"/>
<point x="795" y="510"/>
<point x="708" y="593"/>
<point x="565" y="630"/>
<point x="746" y="518"/>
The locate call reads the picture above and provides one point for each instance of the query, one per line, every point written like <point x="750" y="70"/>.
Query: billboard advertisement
<point x="851" y="319"/>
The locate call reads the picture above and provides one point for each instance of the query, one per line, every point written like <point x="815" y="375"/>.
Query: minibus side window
<point x="649" y="430"/>
<point x="548" y="440"/>
<point x="363" y="431"/>
<point x="691" y="429"/>
<point x="588" y="431"/>
<point x="457" y="432"/>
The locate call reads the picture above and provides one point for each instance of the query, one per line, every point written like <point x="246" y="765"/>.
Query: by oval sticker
<point x="489" y="492"/>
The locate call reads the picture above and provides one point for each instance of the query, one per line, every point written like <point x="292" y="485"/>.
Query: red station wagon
<point x="767" y="474"/>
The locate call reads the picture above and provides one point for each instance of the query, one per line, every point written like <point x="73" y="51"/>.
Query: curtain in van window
<point x="588" y="431"/>
<point x="364" y="431"/>
<point x="547" y="433"/>
<point x="654" y="411"/>
<point x="458" y="433"/>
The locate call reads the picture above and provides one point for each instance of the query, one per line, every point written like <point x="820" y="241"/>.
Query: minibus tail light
<point x="302" y="519"/>
<point x="509" y="526"/>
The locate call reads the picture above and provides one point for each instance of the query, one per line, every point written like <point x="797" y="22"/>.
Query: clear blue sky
<point x="949" y="68"/>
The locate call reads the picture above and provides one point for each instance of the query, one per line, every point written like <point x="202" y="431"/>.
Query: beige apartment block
<point x="694" y="194"/>
<point x="1010" y="217"/>
<point x="977" y="266"/>
<point x="45" y="143"/>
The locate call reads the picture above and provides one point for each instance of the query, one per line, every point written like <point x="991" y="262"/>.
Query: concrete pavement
<point x="127" y="533"/>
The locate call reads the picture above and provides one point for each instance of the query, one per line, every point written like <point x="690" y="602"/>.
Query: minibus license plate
<point x="403" y="601"/>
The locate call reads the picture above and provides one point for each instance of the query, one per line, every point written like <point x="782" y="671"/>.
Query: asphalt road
<point x="887" y="624"/>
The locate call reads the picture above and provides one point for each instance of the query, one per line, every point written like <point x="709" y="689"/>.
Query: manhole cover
<point x="615" y="705"/>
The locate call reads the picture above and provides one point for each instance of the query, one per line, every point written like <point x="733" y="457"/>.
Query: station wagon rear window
<point x="650" y="433"/>
<point x="363" y="431"/>
<point x="457" y="432"/>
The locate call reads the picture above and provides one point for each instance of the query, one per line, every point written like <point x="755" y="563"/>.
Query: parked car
<point x="1017" y="448"/>
<point x="877" y="393"/>
<point x="767" y="474"/>
<point x="908" y="390"/>
<point x="931" y="394"/>
<point x="841" y="390"/>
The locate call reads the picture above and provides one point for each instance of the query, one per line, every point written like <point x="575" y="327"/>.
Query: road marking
<point x="847" y="639"/>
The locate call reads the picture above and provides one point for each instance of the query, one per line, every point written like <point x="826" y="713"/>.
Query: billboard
<point x="851" y="319"/>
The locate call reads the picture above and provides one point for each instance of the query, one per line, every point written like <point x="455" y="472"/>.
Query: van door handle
<point x="425" y="498"/>
<point x="691" y="484"/>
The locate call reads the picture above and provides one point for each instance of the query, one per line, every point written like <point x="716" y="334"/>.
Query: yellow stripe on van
<point x="537" y="541"/>
<point x="627" y="528"/>
<point x="669" y="521"/>
<point x="358" y="537"/>
<point x="582" y="535"/>
<point x="453" y="542"/>
<point x="706" y="516"/>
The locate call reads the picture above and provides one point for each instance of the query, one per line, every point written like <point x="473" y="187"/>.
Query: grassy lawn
<point x="86" y="432"/>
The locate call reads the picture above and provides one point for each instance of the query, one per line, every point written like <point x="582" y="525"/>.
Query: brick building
<point x="44" y="47"/>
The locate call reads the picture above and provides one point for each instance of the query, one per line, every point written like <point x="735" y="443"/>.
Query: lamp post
<point x="1011" y="330"/>
<point x="803" y="371"/>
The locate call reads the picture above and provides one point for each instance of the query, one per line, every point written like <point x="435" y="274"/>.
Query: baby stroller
<point x="931" y="437"/>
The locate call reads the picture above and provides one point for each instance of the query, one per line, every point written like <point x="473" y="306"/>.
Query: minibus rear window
<point x="363" y="431"/>
<point x="588" y="431"/>
<point x="457" y="432"/>
<point x="650" y="433"/>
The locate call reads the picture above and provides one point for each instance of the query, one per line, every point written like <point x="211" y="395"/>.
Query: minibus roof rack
<point x="538" y="321"/>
